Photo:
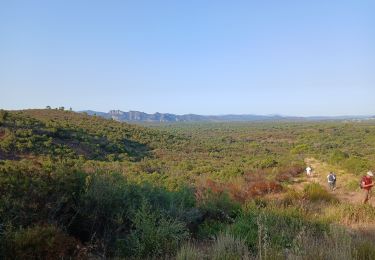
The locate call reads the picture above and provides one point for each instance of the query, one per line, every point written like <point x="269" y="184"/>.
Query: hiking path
<point x="347" y="184"/>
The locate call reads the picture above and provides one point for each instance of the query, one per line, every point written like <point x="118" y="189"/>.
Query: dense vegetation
<point x="73" y="185"/>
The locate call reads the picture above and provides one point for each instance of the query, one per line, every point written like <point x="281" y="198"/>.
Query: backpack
<point x="331" y="178"/>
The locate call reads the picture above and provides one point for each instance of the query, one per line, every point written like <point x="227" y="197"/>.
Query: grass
<point x="224" y="247"/>
<point x="315" y="192"/>
<point x="229" y="247"/>
<point x="352" y="185"/>
<point x="189" y="252"/>
<point x="349" y="214"/>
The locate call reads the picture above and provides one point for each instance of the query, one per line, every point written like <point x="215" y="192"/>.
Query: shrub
<point x="356" y="164"/>
<point x="153" y="235"/>
<point x="300" y="149"/>
<point x="218" y="206"/>
<point x="264" y="187"/>
<point x="286" y="173"/>
<point x="210" y="228"/>
<point x="267" y="163"/>
<point x="315" y="192"/>
<point x="292" y="197"/>
<point x="41" y="242"/>
<point x="337" y="156"/>
<point x="278" y="225"/>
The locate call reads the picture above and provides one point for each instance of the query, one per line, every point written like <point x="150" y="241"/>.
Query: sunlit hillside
<point x="80" y="186"/>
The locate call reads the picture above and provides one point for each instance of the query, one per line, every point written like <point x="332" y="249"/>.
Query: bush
<point x="292" y="197"/>
<point x="267" y="163"/>
<point x="275" y="226"/>
<point x="210" y="228"/>
<point x="337" y="157"/>
<point x="300" y="149"/>
<point x="153" y="235"/>
<point x="315" y="192"/>
<point x="356" y="164"/>
<point x="219" y="207"/>
<point x="41" y="242"/>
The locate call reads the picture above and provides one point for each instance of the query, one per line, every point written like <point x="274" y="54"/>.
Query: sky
<point x="199" y="56"/>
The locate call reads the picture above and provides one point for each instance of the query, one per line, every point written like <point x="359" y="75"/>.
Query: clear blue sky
<point x="195" y="56"/>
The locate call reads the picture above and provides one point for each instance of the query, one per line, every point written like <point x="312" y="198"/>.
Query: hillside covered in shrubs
<point x="80" y="186"/>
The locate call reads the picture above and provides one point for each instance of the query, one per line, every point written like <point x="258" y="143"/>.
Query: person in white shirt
<point x="308" y="171"/>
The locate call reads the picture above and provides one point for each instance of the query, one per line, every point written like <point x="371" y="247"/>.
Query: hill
<point x="76" y="186"/>
<point x="137" y="116"/>
<point x="66" y="134"/>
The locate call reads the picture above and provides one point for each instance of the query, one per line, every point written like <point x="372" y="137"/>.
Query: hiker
<point x="366" y="185"/>
<point x="331" y="177"/>
<point x="308" y="171"/>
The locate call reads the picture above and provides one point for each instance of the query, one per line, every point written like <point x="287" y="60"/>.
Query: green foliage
<point x="337" y="156"/>
<point x="315" y="192"/>
<point x="219" y="206"/>
<point x="352" y="214"/>
<point x="98" y="208"/>
<point x="272" y="225"/>
<point x="3" y="116"/>
<point x="40" y="242"/>
<point x="210" y="228"/>
<point x="67" y="135"/>
<point x="31" y="195"/>
<point x="267" y="163"/>
<point x="300" y="148"/>
<point x="356" y="165"/>
<point x="336" y="243"/>
<point x="153" y="234"/>
<point x="120" y="190"/>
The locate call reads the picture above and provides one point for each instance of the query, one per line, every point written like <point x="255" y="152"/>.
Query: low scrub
<point x="287" y="173"/>
<point x="350" y="214"/>
<point x="189" y="252"/>
<point x="241" y="190"/>
<point x="153" y="234"/>
<point x="41" y="242"/>
<point x="315" y="192"/>
<point x="227" y="246"/>
<point x="224" y="247"/>
<point x="275" y="227"/>
<point x="337" y="243"/>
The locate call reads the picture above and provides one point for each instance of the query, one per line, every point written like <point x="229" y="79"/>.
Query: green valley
<point x="79" y="186"/>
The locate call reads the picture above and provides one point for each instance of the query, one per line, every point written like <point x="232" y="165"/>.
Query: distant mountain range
<point x="137" y="116"/>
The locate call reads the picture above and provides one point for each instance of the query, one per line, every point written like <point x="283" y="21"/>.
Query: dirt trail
<point x="346" y="185"/>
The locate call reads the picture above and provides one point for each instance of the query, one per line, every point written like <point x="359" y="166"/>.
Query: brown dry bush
<point x="286" y="173"/>
<point x="240" y="190"/>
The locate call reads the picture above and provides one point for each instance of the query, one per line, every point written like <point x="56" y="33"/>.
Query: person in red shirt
<point x="366" y="185"/>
